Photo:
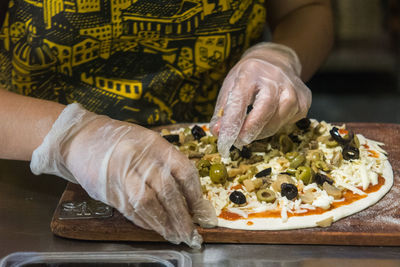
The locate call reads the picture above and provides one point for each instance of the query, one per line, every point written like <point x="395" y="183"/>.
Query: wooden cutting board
<point x="379" y="225"/>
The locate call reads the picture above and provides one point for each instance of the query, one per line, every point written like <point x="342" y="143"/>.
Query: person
<point x="131" y="64"/>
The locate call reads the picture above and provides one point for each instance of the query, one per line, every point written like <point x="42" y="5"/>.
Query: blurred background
<point x="360" y="81"/>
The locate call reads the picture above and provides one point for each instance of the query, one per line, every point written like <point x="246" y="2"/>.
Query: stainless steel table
<point x="27" y="203"/>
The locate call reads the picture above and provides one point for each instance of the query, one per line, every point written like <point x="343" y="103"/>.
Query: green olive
<point x="297" y="161"/>
<point x="192" y="146"/>
<point x="322" y="165"/>
<point x="291" y="155"/>
<point x="285" y="143"/>
<point x="331" y="143"/>
<point x="266" y="195"/>
<point x="291" y="171"/>
<point x="208" y="139"/>
<point x="210" y="148"/>
<point x="304" y="173"/>
<point x="204" y="167"/>
<point x="218" y="173"/>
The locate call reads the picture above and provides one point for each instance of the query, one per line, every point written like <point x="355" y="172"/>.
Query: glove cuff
<point x="47" y="158"/>
<point x="289" y="54"/>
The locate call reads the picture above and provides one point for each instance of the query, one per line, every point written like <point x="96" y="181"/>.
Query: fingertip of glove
<point x="204" y="214"/>
<point x="196" y="240"/>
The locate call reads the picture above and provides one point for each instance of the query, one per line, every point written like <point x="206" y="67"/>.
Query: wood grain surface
<point x="379" y="225"/>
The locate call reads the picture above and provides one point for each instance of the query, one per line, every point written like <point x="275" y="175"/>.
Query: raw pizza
<point x="309" y="174"/>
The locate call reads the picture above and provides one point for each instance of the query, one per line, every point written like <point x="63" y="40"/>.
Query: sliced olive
<point x="303" y="124"/>
<point x="245" y="152"/>
<point x="198" y="132"/>
<point x="322" y="165"/>
<point x="264" y="173"/>
<point x="350" y="152"/>
<point x="297" y="161"/>
<point x="289" y="191"/>
<point x="290" y="171"/>
<point x="304" y="173"/>
<point x="204" y="167"/>
<point x="338" y="138"/>
<point x="237" y="197"/>
<point x="266" y="195"/>
<point x="218" y="173"/>
<point x="291" y="155"/>
<point x="320" y="179"/>
<point x="172" y="138"/>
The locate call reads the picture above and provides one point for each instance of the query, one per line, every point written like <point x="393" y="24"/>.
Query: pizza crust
<point x="297" y="222"/>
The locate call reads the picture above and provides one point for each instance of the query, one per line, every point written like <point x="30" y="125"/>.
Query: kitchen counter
<point x="27" y="203"/>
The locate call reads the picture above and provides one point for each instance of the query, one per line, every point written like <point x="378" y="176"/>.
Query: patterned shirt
<point x="149" y="62"/>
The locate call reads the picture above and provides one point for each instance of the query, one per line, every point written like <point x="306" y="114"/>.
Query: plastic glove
<point x="130" y="168"/>
<point x="266" y="78"/>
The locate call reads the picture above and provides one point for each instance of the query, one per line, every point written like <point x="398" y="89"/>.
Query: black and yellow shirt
<point x="144" y="61"/>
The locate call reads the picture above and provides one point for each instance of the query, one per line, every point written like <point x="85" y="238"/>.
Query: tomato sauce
<point x="349" y="197"/>
<point x="373" y="153"/>
<point x="236" y="187"/>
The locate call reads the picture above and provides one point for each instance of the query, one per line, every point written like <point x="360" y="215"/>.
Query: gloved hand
<point x="266" y="78"/>
<point x="130" y="168"/>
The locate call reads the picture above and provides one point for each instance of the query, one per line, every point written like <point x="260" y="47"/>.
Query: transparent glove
<point x="130" y="168"/>
<point x="266" y="79"/>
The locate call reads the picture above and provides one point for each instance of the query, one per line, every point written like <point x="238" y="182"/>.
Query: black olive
<point x="320" y="179"/>
<point x="237" y="197"/>
<point x="172" y="138"/>
<point x="294" y="138"/>
<point x="245" y="152"/>
<point x="289" y="191"/>
<point x="232" y="148"/>
<point x="338" y="138"/>
<point x="198" y="132"/>
<point x="303" y="124"/>
<point x="249" y="108"/>
<point x="264" y="173"/>
<point x="350" y="152"/>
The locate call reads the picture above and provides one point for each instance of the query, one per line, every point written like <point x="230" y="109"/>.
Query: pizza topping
<point x="325" y="222"/>
<point x="331" y="190"/>
<point x="281" y="179"/>
<point x="285" y="143"/>
<point x="245" y="152"/>
<point x="350" y="152"/>
<point x="304" y="174"/>
<point x="334" y="132"/>
<point x="320" y="179"/>
<point x="198" y="132"/>
<point x="303" y="124"/>
<point x="263" y="173"/>
<point x="218" y="173"/>
<point x="172" y="138"/>
<point x="204" y="167"/>
<point x="237" y="197"/>
<point x="289" y="191"/>
<point x="266" y="195"/>
<point x="299" y="170"/>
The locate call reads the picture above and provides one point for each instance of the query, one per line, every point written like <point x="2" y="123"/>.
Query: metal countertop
<point x="27" y="203"/>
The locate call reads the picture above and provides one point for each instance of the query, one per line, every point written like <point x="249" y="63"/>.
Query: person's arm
<point x="306" y="27"/>
<point x="269" y="76"/>
<point x="124" y="165"/>
<point x="24" y="122"/>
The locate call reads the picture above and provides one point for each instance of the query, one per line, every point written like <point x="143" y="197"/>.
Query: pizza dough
<point x="353" y="165"/>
